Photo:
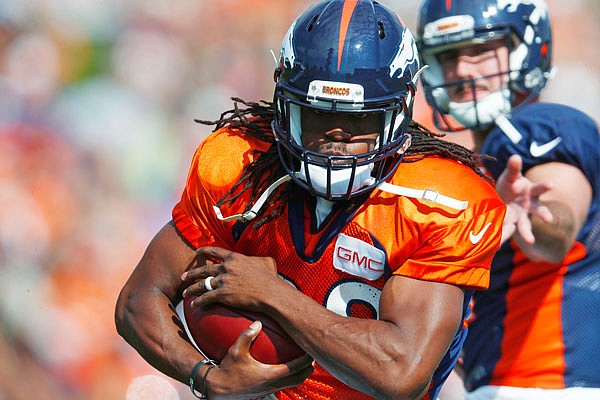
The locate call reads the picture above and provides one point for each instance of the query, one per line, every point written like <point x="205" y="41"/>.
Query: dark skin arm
<point x="146" y="319"/>
<point x="390" y="358"/>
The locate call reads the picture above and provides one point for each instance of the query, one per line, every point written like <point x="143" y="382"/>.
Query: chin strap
<point x="427" y="194"/>
<point x="252" y="212"/>
<point x="419" y="72"/>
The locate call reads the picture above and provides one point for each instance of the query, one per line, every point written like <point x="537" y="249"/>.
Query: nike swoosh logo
<point x="476" y="238"/>
<point x="538" y="150"/>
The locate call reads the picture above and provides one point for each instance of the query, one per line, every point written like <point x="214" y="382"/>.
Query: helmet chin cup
<point x="481" y="114"/>
<point x="335" y="183"/>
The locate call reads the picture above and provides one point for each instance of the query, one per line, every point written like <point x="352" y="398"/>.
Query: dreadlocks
<point x="255" y="120"/>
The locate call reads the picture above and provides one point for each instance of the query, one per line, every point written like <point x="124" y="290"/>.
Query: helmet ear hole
<point x="312" y="23"/>
<point x="381" y="30"/>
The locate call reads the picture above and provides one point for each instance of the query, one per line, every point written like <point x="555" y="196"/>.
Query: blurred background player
<point x="350" y="181"/>
<point x="537" y="325"/>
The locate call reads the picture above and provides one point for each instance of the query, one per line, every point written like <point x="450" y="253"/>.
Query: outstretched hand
<point x="522" y="199"/>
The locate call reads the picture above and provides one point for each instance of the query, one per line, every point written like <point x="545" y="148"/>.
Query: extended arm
<point x="569" y="202"/>
<point x="545" y="218"/>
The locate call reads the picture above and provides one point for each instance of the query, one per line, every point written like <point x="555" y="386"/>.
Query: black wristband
<point x="195" y="372"/>
<point x="204" y="384"/>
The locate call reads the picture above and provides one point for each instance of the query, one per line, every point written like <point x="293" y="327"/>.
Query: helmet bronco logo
<point x="514" y="4"/>
<point x="287" y="49"/>
<point x="406" y="56"/>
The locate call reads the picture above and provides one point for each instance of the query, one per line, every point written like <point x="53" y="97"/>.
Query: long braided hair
<point x="255" y="119"/>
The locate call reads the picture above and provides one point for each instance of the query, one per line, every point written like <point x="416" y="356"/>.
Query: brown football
<point x="215" y="327"/>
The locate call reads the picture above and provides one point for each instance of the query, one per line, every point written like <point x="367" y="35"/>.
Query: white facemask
<point x="483" y="112"/>
<point x="339" y="178"/>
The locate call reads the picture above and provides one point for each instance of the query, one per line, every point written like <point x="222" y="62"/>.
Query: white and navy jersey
<point x="538" y="325"/>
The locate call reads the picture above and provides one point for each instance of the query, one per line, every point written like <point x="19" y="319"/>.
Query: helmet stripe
<point x="347" y="12"/>
<point x="448" y="5"/>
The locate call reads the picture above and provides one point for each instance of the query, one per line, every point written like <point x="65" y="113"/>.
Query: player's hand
<point x="237" y="280"/>
<point x="522" y="199"/>
<point x="241" y="376"/>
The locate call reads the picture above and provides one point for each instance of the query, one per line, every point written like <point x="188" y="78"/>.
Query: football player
<point x="361" y="233"/>
<point x="537" y="325"/>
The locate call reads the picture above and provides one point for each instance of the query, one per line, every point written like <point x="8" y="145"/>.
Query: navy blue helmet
<point x="354" y="57"/>
<point x="525" y="26"/>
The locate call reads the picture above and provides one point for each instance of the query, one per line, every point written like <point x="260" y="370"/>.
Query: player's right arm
<point x="145" y="317"/>
<point x="553" y="215"/>
<point x="521" y="196"/>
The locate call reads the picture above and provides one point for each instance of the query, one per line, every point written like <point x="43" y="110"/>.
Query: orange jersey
<point x="345" y="265"/>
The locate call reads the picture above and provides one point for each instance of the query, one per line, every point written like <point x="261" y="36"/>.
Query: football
<point x="215" y="328"/>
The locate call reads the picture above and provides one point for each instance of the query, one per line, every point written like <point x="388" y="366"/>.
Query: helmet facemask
<point x="478" y="113"/>
<point x="337" y="177"/>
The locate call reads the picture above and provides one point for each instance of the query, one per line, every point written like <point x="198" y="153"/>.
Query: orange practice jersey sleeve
<point x="216" y="166"/>
<point x="446" y="244"/>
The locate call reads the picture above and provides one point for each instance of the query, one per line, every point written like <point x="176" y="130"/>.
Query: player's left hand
<point x="238" y="280"/>
<point x="522" y="198"/>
